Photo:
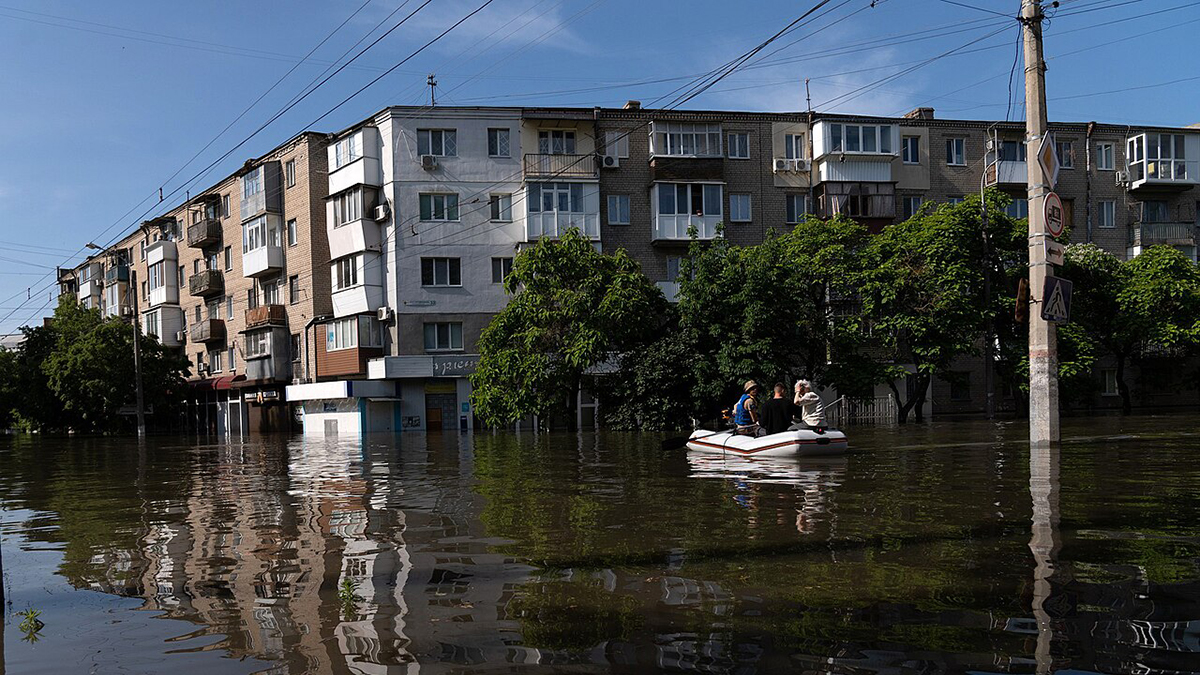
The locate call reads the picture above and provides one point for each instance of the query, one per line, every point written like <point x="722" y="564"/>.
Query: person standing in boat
<point x="812" y="413"/>
<point x="745" y="411"/>
<point x="777" y="413"/>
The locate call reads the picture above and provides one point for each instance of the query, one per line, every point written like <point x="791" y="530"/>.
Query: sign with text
<point x="1055" y="217"/>
<point x="1056" y="300"/>
<point x="454" y="366"/>
<point x="1048" y="157"/>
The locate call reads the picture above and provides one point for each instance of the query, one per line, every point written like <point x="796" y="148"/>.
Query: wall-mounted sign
<point x="454" y="366"/>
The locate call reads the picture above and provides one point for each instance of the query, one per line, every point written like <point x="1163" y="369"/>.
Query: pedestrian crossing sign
<point x="1056" y="300"/>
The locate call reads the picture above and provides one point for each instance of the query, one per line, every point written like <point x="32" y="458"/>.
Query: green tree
<point x="572" y="309"/>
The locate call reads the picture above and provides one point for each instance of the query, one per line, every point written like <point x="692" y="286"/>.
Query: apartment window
<point x="199" y="316"/>
<point x="295" y="347"/>
<point x="293" y="289"/>
<point x="954" y="200"/>
<point x="618" y="209"/>
<point x="441" y="272"/>
<point x="251" y="298"/>
<point x="212" y="310"/>
<point x="1105" y="156"/>
<point x="1163" y="157"/>
<point x="555" y="197"/>
<point x="444" y="336"/>
<point x="228" y="258"/>
<point x="681" y="199"/>
<point x="212" y="262"/>
<point x="439" y="207"/>
<point x="152" y="327"/>
<point x="179" y="277"/>
<point x="501" y="268"/>
<point x="345" y="273"/>
<point x="271" y="292"/>
<point x="797" y="206"/>
<point x="793" y="146"/>
<point x="860" y="138"/>
<point x="616" y="144"/>
<point x="145" y="295"/>
<point x="910" y="147"/>
<point x="259" y="233"/>
<point x="1066" y="154"/>
<point x="155" y="275"/>
<point x="252" y="183"/>
<point x="956" y="151"/>
<point x="739" y="146"/>
<point x="1107" y="213"/>
<point x="501" y="207"/>
<point x="142" y="248"/>
<point x="346" y="150"/>
<point x="225" y="206"/>
<point x="347" y="206"/>
<point x="498" y="143"/>
<point x="1108" y="382"/>
<point x="1018" y="208"/>
<point x="289" y="172"/>
<point x="438" y="142"/>
<point x="739" y="208"/>
<point x="196" y="266"/>
<point x="910" y="206"/>
<point x="556" y="142"/>
<point x="291" y="232"/>
<point x="686" y="140"/>
<point x="341" y="334"/>
<point x="229" y="307"/>
<point x="258" y="344"/>
<point x="1153" y="211"/>
<point x="214" y="361"/>
<point x="1012" y="151"/>
<point x="960" y="386"/>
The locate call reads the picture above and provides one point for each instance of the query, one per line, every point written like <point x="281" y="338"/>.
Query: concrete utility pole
<point x="1043" y="349"/>
<point x="137" y="355"/>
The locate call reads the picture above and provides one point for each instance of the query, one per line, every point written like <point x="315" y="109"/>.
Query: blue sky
<point x="107" y="100"/>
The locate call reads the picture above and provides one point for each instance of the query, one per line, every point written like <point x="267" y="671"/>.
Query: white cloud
<point x="508" y="23"/>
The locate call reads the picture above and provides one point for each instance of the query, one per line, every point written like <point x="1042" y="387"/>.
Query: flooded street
<point x="926" y="550"/>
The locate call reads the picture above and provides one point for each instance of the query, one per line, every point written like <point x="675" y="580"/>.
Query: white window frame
<point x="442" y="272"/>
<point x="214" y="360"/>
<point x="910" y="149"/>
<point x="954" y="200"/>
<point x="915" y="201"/>
<point x="736" y="207"/>
<point x="453" y="333"/>
<point x="1106" y="150"/>
<point x="556" y="142"/>
<point x="347" y="150"/>
<point x="347" y="206"/>
<point x="1066" y="160"/>
<point x="739" y="145"/>
<point x="258" y="343"/>
<point x="956" y="152"/>
<point x="270" y="292"/>
<point x="867" y="139"/>
<point x="289" y="172"/>
<point x="673" y="139"/>
<point x="292" y="233"/>
<point x="793" y="146"/>
<point x="618" y="209"/>
<point x="1019" y="155"/>
<point x="345" y="273"/>
<point x="252" y="183"/>
<point x="341" y="334"/>
<point x="501" y="268"/>
<point x="1107" y="214"/>
<point x="538" y="193"/>
<point x="156" y="275"/>
<point x="259" y="233"/>
<point x="1109" y="376"/>
<point x="437" y="142"/>
<point x="499" y="144"/>
<point x="1018" y="208"/>
<point x="294" y="289"/>
<point x="500" y="207"/>
<point x="707" y="198"/>
<point x="792" y="214"/>
<point x="444" y="202"/>
<point x="616" y="144"/>
<point x="152" y="327"/>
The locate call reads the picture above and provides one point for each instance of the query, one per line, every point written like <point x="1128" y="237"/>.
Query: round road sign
<point x="1054" y="214"/>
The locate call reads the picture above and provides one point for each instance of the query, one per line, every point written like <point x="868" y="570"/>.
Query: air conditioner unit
<point x="610" y="162"/>
<point x="428" y="162"/>
<point x="382" y="212"/>
<point x="783" y="165"/>
<point x="181" y="336"/>
<point x="801" y="164"/>
<point x="384" y="314"/>
<point x="1122" y="177"/>
<point x="201" y="368"/>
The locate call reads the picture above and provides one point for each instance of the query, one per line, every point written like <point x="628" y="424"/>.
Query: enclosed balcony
<point x="560" y="166"/>
<point x="1163" y="161"/>
<point x="262" y="248"/>
<point x="116" y="274"/>
<point x="554" y="208"/>
<point x="206" y="283"/>
<point x="208" y="330"/>
<point x="205" y="233"/>
<point x="683" y="208"/>
<point x="266" y="315"/>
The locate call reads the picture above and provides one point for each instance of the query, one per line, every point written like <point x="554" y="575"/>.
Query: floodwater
<point x="926" y="550"/>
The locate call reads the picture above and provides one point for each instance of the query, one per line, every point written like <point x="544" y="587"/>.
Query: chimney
<point x="919" y="114"/>
<point x="633" y="105"/>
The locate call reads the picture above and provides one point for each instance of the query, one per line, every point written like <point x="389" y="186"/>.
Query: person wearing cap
<point x="745" y="412"/>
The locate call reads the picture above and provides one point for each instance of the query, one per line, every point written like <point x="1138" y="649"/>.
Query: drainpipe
<point x="1087" y="146"/>
<point x="315" y="319"/>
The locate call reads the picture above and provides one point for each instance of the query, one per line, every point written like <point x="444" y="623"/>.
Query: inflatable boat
<point x="791" y="443"/>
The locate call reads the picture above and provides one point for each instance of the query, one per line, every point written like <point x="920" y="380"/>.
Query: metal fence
<point x="848" y="412"/>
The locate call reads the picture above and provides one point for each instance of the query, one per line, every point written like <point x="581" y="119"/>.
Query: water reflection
<point x="442" y="553"/>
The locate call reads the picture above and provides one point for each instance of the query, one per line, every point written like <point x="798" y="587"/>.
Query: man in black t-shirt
<point x="776" y="415"/>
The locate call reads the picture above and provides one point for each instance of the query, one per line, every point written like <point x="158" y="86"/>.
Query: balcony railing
<point x="1149" y="234"/>
<point x="208" y="282"/>
<point x="204" y="233"/>
<point x="560" y="166"/>
<point x="208" y="330"/>
<point x="678" y="227"/>
<point x="266" y="315"/>
<point x="117" y="274"/>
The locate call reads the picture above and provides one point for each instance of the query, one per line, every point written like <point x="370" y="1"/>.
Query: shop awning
<point x="218" y="383"/>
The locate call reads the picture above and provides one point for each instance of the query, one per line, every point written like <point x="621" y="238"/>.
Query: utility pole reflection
<point x="1045" y="543"/>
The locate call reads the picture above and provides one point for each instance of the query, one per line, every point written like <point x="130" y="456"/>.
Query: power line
<point x="978" y="9"/>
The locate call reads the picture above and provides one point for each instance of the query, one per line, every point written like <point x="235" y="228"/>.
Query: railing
<point x="204" y="233"/>
<point x="560" y="166"/>
<point x="208" y="282"/>
<point x="877" y="410"/>
<point x="208" y="330"/>
<point x="1148" y="234"/>
<point x="266" y="315"/>
<point x="677" y="227"/>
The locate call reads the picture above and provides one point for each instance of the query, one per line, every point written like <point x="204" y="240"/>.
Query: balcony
<point x="1007" y="173"/>
<point x="552" y="224"/>
<point x="353" y="237"/>
<point x="206" y="283"/>
<point x="560" y="166"/>
<point x="266" y="315"/>
<point x="116" y="274"/>
<point x="205" y="233"/>
<point x="1171" y="234"/>
<point x="670" y="289"/>
<point x="676" y="227"/>
<point x="208" y="330"/>
<point x="92" y="287"/>
<point x="1163" y="161"/>
<point x="262" y="261"/>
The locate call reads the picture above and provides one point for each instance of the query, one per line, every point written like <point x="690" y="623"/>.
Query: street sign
<point x="1048" y="158"/>
<point x="1054" y="251"/>
<point x="1056" y="300"/>
<point x="1055" y="218"/>
<point x="991" y="175"/>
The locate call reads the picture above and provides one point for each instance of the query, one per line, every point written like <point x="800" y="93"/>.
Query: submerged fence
<point x="877" y="410"/>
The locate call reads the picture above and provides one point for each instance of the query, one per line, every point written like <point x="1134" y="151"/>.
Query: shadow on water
<point x="928" y="549"/>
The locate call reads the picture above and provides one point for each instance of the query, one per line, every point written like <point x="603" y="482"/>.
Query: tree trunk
<point x="922" y="389"/>
<point x="1122" y="388"/>
<point x="573" y="407"/>
<point x="901" y="408"/>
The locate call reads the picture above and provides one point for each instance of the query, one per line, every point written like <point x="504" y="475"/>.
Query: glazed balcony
<point x="208" y="330"/>
<point x="206" y="283"/>
<point x="117" y="274"/>
<point x="205" y="233"/>
<point x="560" y="166"/>
<point x="266" y="315"/>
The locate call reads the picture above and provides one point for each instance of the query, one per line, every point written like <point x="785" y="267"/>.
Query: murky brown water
<point x="602" y="553"/>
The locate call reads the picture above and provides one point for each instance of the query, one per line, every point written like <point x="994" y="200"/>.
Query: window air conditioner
<point x="428" y="162"/>
<point x="384" y="314"/>
<point x="382" y="212"/>
<point x="181" y="336"/>
<point x="800" y="164"/>
<point x="781" y="165"/>
<point x="611" y="162"/>
<point x="1122" y="177"/>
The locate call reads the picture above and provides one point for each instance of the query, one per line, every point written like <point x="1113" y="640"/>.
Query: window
<point x="152" y="327"/>
<point x="556" y="142"/>
<point x="270" y="292"/>
<point x="555" y="197"/>
<point x="739" y="146"/>
<point x="155" y="274"/>
<point x="199" y="316"/>
<point x="228" y="258"/>
<point x="1108" y="382"/>
<point x="179" y="277"/>
<point x="229" y="307"/>
<point x="214" y="360"/>
<point x="686" y="140"/>
<point x="258" y="344"/>
<point x="1012" y="151"/>
<point x="251" y="298"/>
<point x="675" y="266"/>
<point x="232" y="360"/>
<point x="145" y="296"/>
<point x="1157" y="156"/>
<point x="347" y="206"/>
<point x="681" y="199"/>
<point x="1105" y="156"/>
<point x="439" y="207"/>
<point x="501" y="268"/>
<point x="1018" y="208"/>
<point x="911" y="149"/>
<point x="213" y="261"/>
<point x="225" y="206"/>
<point x="252" y="183"/>
<point x="352" y="331"/>
<point x="616" y="144"/>
<point x="739" y="208"/>
<point x="797" y="206"/>
<point x="289" y="172"/>
<point x="910" y="206"/>
<point x="259" y="233"/>
<point x="295" y="347"/>
<point x="793" y="146"/>
<point x="498" y="143"/>
<point x="860" y="138"/>
<point x="212" y="309"/>
<point x="142" y="248"/>
<point x="345" y="273"/>
<point x="954" y="200"/>
<point x="440" y="337"/>
<point x="1066" y="154"/>
<point x="438" y="142"/>
<point x="960" y="386"/>
<point x="956" y="151"/>
<point x="1107" y="213"/>
<point x="291" y="232"/>
<point x="1153" y="211"/>
<point x="618" y="209"/>
<point x="501" y="207"/>
<point x="346" y="150"/>
<point x="441" y="272"/>
<point x="294" y="289"/>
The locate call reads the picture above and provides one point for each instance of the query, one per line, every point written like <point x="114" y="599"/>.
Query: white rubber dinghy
<point x="799" y="443"/>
